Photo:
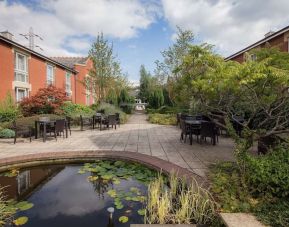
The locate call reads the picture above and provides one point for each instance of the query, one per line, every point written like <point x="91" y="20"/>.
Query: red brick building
<point x="277" y="39"/>
<point x="23" y="71"/>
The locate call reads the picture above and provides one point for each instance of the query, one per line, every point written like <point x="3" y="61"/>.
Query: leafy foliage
<point x="7" y="133"/>
<point x="75" y="110"/>
<point x="269" y="174"/>
<point x="105" y="79"/>
<point x="162" y="119"/>
<point x="111" y="109"/>
<point x="8" y="109"/>
<point x="9" y="208"/>
<point x="260" y="191"/>
<point x="46" y="101"/>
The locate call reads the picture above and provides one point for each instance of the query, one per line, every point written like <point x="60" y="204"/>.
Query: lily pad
<point x="123" y="219"/>
<point x="141" y="212"/>
<point x="24" y="205"/>
<point x="20" y="221"/>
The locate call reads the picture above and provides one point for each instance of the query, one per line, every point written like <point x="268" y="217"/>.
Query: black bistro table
<point x="45" y="123"/>
<point x="100" y="119"/>
<point x="193" y="124"/>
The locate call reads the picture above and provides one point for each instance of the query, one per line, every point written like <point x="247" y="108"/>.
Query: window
<point x="20" y="93"/>
<point x="50" y="74"/>
<point x="68" y="84"/>
<point x="87" y="90"/>
<point x="253" y="57"/>
<point x="21" y="68"/>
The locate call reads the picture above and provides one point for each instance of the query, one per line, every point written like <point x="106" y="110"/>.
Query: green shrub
<point x="269" y="174"/>
<point x="111" y="109"/>
<point x="8" y="109"/>
<point x="75" y="110"/>
<point x="162" y="119"/>
<point x="30" y="121"/>
<point x="167" y="110"/>
<point x="228" y="189"/>
<point x="274" y="213"/>
<point x="7" y="133"/>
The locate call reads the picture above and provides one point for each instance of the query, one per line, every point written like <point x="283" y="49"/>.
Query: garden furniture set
<point x="200" y="126"/>
<point x="42" y="127"/>
<point x="100" y="120"/>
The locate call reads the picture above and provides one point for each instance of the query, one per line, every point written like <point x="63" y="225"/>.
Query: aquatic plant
<point x="105" y="174"/>
<point x="180" y="203"/>
<point x="8" y="209"/>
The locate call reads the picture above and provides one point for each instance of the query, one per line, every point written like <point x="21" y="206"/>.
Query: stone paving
<point x="136" y="136"/>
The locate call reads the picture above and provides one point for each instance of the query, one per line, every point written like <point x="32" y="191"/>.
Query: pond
<point x="103" y="193"/>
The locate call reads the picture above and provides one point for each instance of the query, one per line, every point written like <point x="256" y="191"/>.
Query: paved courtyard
<point x="136" y="136"/>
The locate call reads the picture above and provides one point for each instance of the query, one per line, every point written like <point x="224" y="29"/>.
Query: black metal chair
<point x="185" y="130"/>
<point x="208" y="129"/>
<point x="117" y="119"/>
<point x="111" y="120"/>
<point x="97" y="120"/>
<point x="86" y="121"/>
<point x="68" y="124"/>
<point x="22" y="130"/>
<point x="58" y="128"/>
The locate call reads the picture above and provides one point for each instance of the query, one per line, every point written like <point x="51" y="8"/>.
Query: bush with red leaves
<point x="46" y="101"/>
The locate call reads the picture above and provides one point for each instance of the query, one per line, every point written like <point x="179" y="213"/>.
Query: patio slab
<point x="136" y="136"/>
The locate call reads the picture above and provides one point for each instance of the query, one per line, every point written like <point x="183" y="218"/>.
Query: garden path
<point x="137" y="135"/>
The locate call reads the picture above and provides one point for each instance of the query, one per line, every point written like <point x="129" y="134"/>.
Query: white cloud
<point x="59" y="20"/>
<point x="228" y="24"/>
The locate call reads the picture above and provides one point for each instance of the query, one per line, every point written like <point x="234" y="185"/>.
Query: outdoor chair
<point x="85" y="121"/>
<point x="97" y="120"/>
<point x="117" y="119"/>
<point x="58" y="128"/>
<point x="22" y="130"/>
<point x="111" y="121"/>
<point x="185" y="130"/>
<point x="68" y="124"/>
<point x="208" y="129"/>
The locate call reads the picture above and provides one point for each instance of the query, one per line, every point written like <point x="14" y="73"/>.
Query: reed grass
<point x="180" y="203"/>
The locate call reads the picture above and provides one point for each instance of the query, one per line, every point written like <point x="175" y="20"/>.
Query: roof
<point x="13" y="43"/>
<point x="70" y="61"/>
<point x="258" y="43"/>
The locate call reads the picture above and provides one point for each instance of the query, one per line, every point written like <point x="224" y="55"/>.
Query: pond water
<point x="80" y="195"/>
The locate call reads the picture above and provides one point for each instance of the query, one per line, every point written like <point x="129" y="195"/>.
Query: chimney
<point x="7" y="35"/>
<point x="269" y="33"/>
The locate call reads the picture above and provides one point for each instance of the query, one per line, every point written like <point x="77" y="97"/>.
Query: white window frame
<point x="68" y="83"/>
<point x="17" y="89"/>
<point x="21" y="74"/>
<point x="50" y="78"/>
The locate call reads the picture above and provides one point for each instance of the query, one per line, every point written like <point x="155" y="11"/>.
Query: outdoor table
<point x="45" y="123"/>
<point x="191" y="124"/>
<point x="101" y="118"/>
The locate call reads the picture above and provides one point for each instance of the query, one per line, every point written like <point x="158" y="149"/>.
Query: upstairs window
<point x="50" y="75"/>
<point x="68" y="84"/>
<point x="21" y="68"/>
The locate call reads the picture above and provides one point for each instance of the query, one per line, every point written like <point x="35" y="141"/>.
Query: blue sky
<point x="140" y="29"/>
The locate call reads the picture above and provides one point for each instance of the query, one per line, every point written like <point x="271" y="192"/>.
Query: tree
<point x="257" y="90"/>
<point x="172" y="59"/>
<point x="46" y="101"/>
<point x="106" y="71"/>
<point x="145" y="84"/>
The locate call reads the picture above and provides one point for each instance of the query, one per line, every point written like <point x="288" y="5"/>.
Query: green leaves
<point x="24" y="205"/>
<point x="123" y="219"/>
<point x="20" y="221"/>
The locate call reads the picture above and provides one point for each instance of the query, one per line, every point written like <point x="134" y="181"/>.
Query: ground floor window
<point x="20" y="93"/>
